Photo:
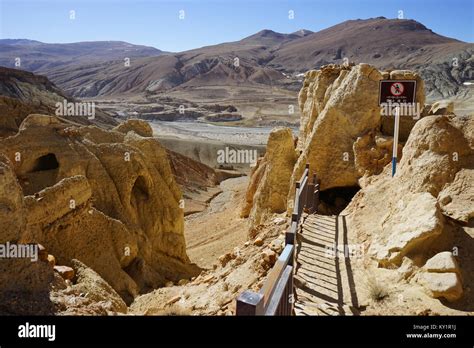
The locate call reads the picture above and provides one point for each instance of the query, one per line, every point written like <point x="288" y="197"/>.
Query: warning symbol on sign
<point x="397" y="89"/>
<point x="401" y="91"/>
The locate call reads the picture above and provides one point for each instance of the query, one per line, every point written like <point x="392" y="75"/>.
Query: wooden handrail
<point x="283" y="288"/>
<point x="284" y="260"/>
<point x="276" y="295"/>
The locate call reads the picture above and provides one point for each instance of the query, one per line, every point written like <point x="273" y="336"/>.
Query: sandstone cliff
<point x="105" y="198"/>
<point x="341" y="133"/>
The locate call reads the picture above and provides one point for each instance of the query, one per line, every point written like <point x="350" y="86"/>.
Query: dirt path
<point x="218" y="229"/>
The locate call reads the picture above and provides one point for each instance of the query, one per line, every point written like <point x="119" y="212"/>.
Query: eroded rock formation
<point x="269" y="183"/>
<point x="105" y="198"/>
<point x="425" y="210"/>
<point x="341" y="123"/>
<point x="422" y="210"/>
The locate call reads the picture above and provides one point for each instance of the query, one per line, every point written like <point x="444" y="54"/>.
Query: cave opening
<point x="139" y="191"/>
<point x="334" y="200"/>
<point x="42" y="173"/>
<point x="139" y="199"/>
<point x="46" y="162"/>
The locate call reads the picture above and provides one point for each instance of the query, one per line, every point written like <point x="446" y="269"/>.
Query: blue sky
<point x="156" y="23"/>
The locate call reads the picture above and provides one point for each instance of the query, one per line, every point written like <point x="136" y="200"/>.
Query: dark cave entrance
<point x="46" y="162"/>
<point x="334" y="200"/>
<point x="139" y="198"/>
<point x="42" y="173"/>
<point x="139" y="192"/>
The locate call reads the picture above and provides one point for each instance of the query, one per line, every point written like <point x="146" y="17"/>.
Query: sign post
<point x="395" y="95"/>
<point x="395" y="141"/>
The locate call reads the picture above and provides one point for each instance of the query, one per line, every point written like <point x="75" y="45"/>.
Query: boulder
<point x="406" y="232"/>
<point x="67" y="273"/>
<point x="315" y="93"/>
<point x="97" y="289"/>
<point x="441" y="263"/>
<point x="406" y="269"/>
<point x="276" y="245"/>
<point x="269" y="257"/>
<point x="224" y="259"/>
<point x="438" y="147"/>
<point x="279" y="221"/>
<point x="446" y="285"/>
<point x="182" y="282"/>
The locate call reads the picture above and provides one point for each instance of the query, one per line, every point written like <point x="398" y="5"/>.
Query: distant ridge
<point x="265" y="58"/>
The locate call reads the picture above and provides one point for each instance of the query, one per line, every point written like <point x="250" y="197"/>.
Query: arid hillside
<point x="38" y="56"/>
<point x="266" y="58"/>
<point x="23" y="93"/>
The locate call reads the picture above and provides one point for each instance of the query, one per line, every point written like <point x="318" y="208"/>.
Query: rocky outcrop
<point x="402" y="221"/>
<point x="138" y="126"/>
<point x="406" y="214"/>
<point x="23" y="93"/>
<point x="403" y="232"/>
<point x="446" y="285"/>
<point x="341" y="133"/>
<point x="12" y="211"/>
<point x="457" y="197"/>
<point x="105" y="198"/>
<point x="442" y="107"/>
<point x="87" y="281"/>
<point x="269" y="182"/>
<point x="441" y="263"/>
<point x="442" y="277"/>
<point x="372" y="152"/>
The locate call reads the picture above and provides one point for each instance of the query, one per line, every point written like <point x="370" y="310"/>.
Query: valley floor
<point x="218" y="229"/>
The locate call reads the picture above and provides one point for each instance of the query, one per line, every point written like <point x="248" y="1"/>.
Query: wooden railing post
<point x="249" y="303"/>
<point x="310" y="198"/>
<point x="290" y="234"/>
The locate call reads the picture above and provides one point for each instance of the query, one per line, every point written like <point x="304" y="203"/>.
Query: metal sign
<point x="397" y="91"/>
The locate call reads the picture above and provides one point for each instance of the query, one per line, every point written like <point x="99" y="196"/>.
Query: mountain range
<point x="267" y="58"/>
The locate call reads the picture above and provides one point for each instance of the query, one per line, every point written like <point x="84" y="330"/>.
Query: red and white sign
<point x="397" y="89"/>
